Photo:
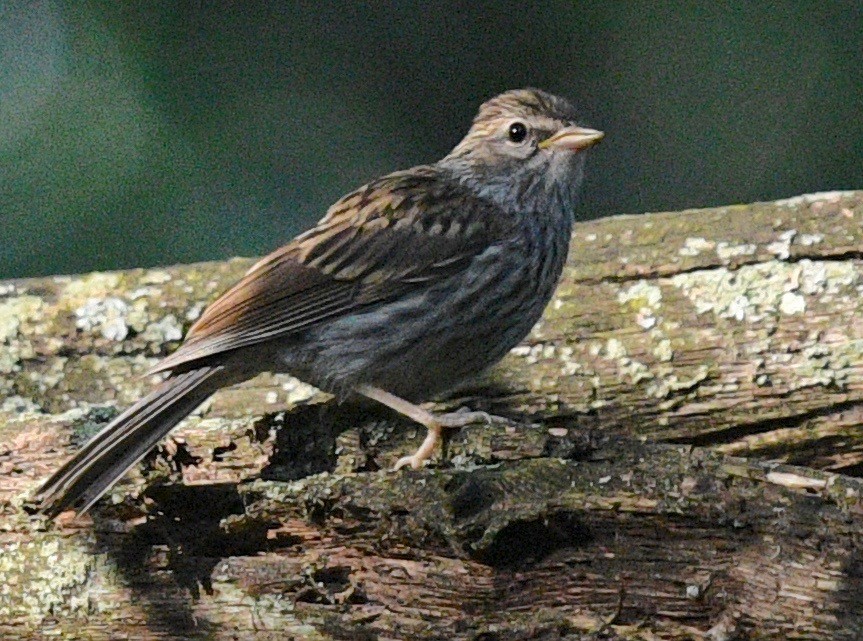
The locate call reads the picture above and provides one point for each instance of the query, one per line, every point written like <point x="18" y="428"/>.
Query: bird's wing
<point x="374" y="245"/>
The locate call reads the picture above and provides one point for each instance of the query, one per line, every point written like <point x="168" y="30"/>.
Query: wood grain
<point x="679" y="459"/>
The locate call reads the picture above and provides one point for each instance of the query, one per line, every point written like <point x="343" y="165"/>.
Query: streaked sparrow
<point x="408" y="286"/>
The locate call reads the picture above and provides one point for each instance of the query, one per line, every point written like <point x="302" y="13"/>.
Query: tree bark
<point x="677" y="459"/>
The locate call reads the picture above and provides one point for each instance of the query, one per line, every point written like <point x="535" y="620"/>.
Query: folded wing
<point x="401" y="232"/>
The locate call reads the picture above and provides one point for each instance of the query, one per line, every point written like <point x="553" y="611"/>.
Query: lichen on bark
<point x="678" y="459"/>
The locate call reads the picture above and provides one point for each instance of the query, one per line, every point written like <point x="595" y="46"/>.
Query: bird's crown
<point x="526" y="103"/>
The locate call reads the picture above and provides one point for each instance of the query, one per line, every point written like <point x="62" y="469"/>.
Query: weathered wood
<point x="589" y="515"/>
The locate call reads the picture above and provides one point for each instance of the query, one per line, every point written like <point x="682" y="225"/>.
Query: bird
<point x="406" y="288"/>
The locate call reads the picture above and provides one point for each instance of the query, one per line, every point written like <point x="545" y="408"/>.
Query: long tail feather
<point x="125" y="441"/>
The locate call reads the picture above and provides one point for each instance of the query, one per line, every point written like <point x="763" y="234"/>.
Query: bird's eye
<point x="517" y="132"/>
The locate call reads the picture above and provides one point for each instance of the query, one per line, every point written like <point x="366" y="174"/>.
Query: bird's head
<point x="524" y="151"/>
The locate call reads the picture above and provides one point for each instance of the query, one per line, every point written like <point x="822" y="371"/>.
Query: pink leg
<point x="435" y="424"/>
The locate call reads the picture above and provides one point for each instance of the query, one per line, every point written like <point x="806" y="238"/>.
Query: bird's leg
<point x="435" y="424"/>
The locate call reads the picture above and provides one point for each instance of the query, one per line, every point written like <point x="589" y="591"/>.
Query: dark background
<point x="142" y="133"/>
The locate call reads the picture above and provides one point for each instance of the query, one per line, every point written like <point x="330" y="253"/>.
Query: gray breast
<point x="432" y="339"/>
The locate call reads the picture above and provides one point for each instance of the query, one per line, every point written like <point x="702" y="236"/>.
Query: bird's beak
<point x="573" y="139"/>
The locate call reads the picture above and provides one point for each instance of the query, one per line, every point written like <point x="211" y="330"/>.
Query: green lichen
<point x="726" y="251"/>
<point x="756" y="292"/>
<point x="695" y="246"/>
<point x="15" y="315"/>
<point x="267" y="611"/>
<point x="47" y="576"/>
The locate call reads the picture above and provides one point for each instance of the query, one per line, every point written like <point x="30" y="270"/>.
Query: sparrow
<point x="407" y="287"/>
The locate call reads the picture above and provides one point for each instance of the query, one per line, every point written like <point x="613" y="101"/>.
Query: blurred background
<point x="137" y="133"/>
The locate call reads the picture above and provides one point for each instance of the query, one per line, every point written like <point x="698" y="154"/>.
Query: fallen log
<point x="677" y="459"/>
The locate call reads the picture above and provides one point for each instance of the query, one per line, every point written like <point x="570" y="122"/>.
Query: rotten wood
<point x="646" y="483"/>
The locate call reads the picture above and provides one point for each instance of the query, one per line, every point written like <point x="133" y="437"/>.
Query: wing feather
<point x="398" y="233"/>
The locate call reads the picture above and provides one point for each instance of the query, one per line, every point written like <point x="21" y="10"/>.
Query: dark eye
<point x="517" y="131"/>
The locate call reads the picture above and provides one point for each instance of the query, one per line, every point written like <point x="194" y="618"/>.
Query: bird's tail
<point x="125" y="441"/>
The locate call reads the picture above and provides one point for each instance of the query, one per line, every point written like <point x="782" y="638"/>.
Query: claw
<point x="424" y="451"/>
<point x="413" y="460"/>
<point x="434" y="423"/>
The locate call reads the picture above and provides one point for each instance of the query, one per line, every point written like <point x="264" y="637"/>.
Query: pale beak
<point x="573" y="139"/>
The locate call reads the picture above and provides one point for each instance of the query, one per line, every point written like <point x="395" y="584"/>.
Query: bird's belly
<point x="429" y="341"/>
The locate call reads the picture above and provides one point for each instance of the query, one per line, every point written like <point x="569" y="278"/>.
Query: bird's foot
<point x="424" y="451"/>
<point x="435" y="423"/>
<point x="463" y="417"/>
<point x="460" y="418"/>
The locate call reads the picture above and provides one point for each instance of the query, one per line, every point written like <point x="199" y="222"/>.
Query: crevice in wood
<point x="736" y="432"/>
<point x="730" y="266"/>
